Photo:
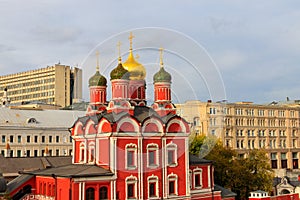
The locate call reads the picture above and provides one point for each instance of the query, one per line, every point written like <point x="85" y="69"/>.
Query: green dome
<point x="97" y="80"/>
<point x="119" y="73"/>
<point x="162" y="76"/>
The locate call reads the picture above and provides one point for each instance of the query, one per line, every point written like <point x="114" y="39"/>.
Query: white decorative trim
<point x="87" y="126"/>
<point x="177" y="121"/>
<point x="153" y="147"/>
<point x="78" y="124"/>
<point x="131" y="147"/>
<point x="209" y="176"/>
<point x="153" y="179"/>
<point x="100" y="125"/>
<point x="91" y="150"/>
<point x="153" y="121"/>
<point x="131" y="180"/>
<point x="82" y="147"/>
<point x="128" y="120"/>
<point x="171" y="147"/>
<point x="197" y="171"/>
<point x="173" y="177"/>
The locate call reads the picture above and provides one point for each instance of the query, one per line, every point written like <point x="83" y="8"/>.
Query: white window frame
<point x="153" y="147"/>
<point x="131" y="180"/>
<point x="153" y="179"/>
<point x="172" y="177"/>
<point x="131" y="147"/>
<point x="92" y="149"/>
<point x="173" y="147"/>
<point x="191" y="179"/>
<point x="197" y="171"/>
<point x="82" y="147"/>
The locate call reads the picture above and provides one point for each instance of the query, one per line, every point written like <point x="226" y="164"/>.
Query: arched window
<point x="153" y="187"/>
<point x="197" y="178"/>
<point x="91" y="152"/>
<point x="131" y="190"/>
<point x="172" y="185"/>
<point x="90" y="194"/>
<point x="82" y="152"/>
<point x="152" y="155"/>
<point x="103" y="193"/>
<point x="171" y="154"/>
<point x="130" y="157"/>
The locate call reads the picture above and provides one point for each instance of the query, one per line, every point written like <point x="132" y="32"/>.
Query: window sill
<point x="131" y="167"/>
<point x="172" y="165"/>
<point x="153" y="197"/>
<point x="153" y="166"/>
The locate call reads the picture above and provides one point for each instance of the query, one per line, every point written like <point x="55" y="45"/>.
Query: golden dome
<point x="136" y="70"/>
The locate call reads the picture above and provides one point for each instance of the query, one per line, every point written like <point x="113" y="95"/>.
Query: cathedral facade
<point x="124" y="149"/>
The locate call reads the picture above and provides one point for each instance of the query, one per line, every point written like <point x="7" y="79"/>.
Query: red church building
<point x="124" y="149"/>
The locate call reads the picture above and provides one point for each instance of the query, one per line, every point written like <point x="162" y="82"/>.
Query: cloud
<point x="230" y="59"/>
<point x="57" y="34"/>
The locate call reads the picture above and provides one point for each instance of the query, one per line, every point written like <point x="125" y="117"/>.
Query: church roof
<point x="225" y="193"/>
<point x="73" y="171"/>
<point x="17" y="182"/>
<point x="38" y="118"/>
<point x="140" y="114"/>
<point x="15" y="164"/>
<point x="194" y="160"/>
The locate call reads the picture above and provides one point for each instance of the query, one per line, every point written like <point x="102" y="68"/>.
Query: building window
<point x="197" y="178"/>
<point x="283" y="161"/>
<point x="28" y="139"/>
<point x="11" y="138"/>
<point x="212" y="111"/>
<point x="19" y="139"/>
<point x="28" y="153"/>
<point x="153" y="186"/>
<point x="90" y="194"/>
<point x="295" y="160"/>
<point x="274" y="160"/>
<point x="82" y="152"/>
<point x="50" y="138"/>
<point x="172" y="154"/>
<point x="213" y="132"/>
<point x="294" y="143"/>
<point x="35" y="153"/>
<point x="103" y="193"/>
<point x="172" y="184"/>
<point x="43" y="139"/>
<point x="57" y="152"/>
<point x="131" y="192"/>
<point x="57" y="139"/>
<point x="35" y="139"/>
<point x="18" y="153"/>
<point x="3" y="138"/>
<point x="92" y="152"/>
<point x="153" y="156"/>
<point x="131" y="152"/>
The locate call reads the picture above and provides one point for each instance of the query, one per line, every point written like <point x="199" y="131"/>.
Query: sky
<point x="225" y="49"/>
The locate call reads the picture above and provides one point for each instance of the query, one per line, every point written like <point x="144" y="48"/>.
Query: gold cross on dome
<point x="161" y="56"/>
<point x="119" y="48"/>
<point x="97" y="57"/>
<point x="131" y="36"/>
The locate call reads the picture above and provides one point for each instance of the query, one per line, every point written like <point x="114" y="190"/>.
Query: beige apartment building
<point x="244" y="125"/>
<point x="59" y="85"/>
<point x="32" y="133"/>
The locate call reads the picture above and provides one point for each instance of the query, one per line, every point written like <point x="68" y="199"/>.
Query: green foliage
<point x="241" y="175"/>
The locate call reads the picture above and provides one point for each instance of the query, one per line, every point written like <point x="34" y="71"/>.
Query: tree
<point x="240" y="174"/>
